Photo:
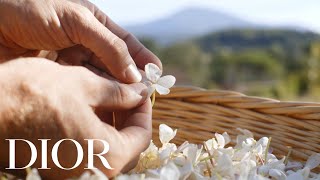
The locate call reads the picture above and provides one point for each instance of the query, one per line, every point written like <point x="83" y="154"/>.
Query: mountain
<point x="187" y="24"/>
<point x="291" y="40"/>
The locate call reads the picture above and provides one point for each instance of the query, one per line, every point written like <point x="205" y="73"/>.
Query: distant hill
<point x="187" y="24"/>
<point x="291" y="47"/>
<point x="241" y="39"/>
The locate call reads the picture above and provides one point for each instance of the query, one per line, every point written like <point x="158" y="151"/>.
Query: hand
<point x="41" y="99"/>
<point x="77" y="30"/>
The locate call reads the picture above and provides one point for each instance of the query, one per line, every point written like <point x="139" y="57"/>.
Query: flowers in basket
<point x="248" y="159"/>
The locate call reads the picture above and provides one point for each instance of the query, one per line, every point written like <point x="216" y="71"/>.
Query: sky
<point x="301" y="13"/>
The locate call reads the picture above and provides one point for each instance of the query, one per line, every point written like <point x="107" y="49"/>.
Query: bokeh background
<point x="267" y="48"/>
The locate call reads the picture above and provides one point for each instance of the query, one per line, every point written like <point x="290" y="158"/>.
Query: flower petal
<point x="153" y="72"/>
<point x="161" y="90"/>
<point x="151" y="89"/>
<point x="186" y="170"/>
<point x="167" y="81"/>
<point x="211" y="144"/>
<point x="192" y="153"/>
<point x="221" y="140"/>
<point x="170" y="171"/>
<point x="226" y="137"/>
<point x="98" y="174"/>
<point x="313" y="161"/>
<point x="277" y="174"/>
<point x="166" y="133"/>
<point x="295" y="176"/>
<point x="33" y="175"/>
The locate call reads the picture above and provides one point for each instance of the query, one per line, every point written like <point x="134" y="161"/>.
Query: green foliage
<point x="274" y="63"/>
<point x="190" y="59"/>
<point x="287" y="45"/>
<point x="151" y="45"/>
<point x="232" y="69"/>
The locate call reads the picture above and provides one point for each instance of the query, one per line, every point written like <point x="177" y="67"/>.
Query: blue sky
<point x="303" y="13"/>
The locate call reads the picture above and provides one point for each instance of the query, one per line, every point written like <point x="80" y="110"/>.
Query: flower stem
<point x="206" y="158"/>
<point x="207" y="149"/>
<point x="267" y="150"/>
<point x="208" y="169"/>
<point x="287" y="157"/>
<point x="153" y="98"/>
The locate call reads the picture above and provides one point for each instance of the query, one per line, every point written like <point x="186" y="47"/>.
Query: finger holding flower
<point x="155" y="82"/>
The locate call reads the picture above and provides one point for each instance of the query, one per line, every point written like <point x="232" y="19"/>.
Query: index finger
<point x="140" y="54"/>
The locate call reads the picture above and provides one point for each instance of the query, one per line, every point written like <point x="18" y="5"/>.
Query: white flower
<point x="294" y="165"/>
<point x="169" y="172"/>
<point x="313" y="161"/>
<point x="130" y="177"/>
<point x="186" y="170"/>
<point x="219" y="142"/>
<point x="211" y="144"/>
<point x="192" y="161"/>
<point x="149" y="159"/>
<point x="301" y="174"/>
<point x="33" y="175"/>
<point x="166" y="133"/>
<point x="295" y="176"/>
<point x="242" y="137"/>
<point x="272" y="164"/>
<point x="223" y="139"/>
<point x="224" y="165"/>
<point x="166" y="151"/>
<point x="97" y="175"/>
<point x="156" y="82"/>
<point x="192" y="153"/>
<point x="277" y="174"/>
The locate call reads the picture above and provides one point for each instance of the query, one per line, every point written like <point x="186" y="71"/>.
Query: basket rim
<point x="190" y="91"/>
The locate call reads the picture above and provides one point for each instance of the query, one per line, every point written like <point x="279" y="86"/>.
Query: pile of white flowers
<point x="248" y="159"/>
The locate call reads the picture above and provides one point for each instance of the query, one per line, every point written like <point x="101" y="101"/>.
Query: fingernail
<point x="133" y="74"/>
<point x="141" y="90"/>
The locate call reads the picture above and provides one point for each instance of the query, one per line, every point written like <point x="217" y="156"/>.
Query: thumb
<point x="110" y="49"/>
<point x="137" y="132"/>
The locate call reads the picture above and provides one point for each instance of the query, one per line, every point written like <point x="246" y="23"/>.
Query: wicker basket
<point x="198" y="113"/>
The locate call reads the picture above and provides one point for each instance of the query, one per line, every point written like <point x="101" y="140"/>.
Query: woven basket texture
<point x="199" y="113"/>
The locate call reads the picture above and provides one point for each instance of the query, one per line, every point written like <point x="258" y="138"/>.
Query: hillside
<point x="289" y="46"/>
<point x="237" y="40"/>
<point x="186" y="24"/>
<point x="273" y="63"/>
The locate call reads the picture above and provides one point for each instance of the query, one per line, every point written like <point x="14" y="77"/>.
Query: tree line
<point x="281" y="64"/>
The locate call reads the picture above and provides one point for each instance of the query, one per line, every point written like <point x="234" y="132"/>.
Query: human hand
<point x="79" y="32"/>
<point x="41" y="99"/>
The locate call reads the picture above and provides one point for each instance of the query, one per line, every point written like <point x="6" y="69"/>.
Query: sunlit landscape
<point x="211" y="48"/>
